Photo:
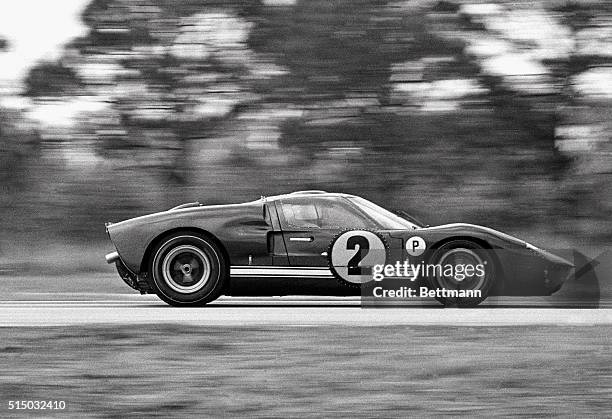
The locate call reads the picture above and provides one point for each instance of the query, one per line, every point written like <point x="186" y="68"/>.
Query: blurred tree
<point x="178" y="69"/>
<point x="52" y="79"/>
<point x="223" y="100"/>
<point x="19" y="163"/>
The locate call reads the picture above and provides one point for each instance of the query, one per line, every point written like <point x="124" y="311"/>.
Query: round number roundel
<point x="354" y="253"/>
<point x="415" y="246"/>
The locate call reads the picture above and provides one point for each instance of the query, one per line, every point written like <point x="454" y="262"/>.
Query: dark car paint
<point x="522" y="271"/>
<point x="240" y="228"/>
<point x="252" y="234"/>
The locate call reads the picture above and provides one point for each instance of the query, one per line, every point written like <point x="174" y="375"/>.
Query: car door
<point x="309" y="224"/>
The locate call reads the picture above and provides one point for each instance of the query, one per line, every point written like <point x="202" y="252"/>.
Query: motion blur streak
<point x="260" y="371"/>
<point x="491" y="113"/>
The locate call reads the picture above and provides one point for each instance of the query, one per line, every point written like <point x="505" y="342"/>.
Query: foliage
<point x="224" y="101"/>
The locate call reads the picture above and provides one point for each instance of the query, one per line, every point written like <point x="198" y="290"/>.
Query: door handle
<point x="301" y="239"/>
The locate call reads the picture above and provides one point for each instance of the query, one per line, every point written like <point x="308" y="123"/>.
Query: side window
<point x="337" y="214"/>
<point x="300" y="215"/>
<point x="321" y="213"/>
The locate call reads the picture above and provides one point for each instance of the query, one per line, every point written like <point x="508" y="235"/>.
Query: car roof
<point x="306" y="194"/>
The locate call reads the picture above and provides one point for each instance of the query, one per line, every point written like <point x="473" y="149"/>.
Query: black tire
<point x="188" y="269"/>
<point x="471" y="253"/>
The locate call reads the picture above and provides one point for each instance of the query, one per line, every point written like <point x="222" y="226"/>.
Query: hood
<point x="462" y="228"/>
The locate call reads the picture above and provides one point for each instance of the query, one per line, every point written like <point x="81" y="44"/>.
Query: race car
<point x="320" y="243"/>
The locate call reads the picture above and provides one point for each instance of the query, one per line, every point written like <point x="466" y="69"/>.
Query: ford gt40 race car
<point x="320" y="243"/>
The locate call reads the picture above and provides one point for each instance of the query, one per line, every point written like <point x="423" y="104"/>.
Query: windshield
<point x="386" y="219"/>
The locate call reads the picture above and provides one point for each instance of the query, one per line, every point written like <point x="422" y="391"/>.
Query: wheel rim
<point x="461" y="256"/>
<point x="186" y="269"/>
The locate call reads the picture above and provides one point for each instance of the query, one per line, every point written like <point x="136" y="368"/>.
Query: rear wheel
<point x="188" y="270"/>
<point x="454" y="258"/>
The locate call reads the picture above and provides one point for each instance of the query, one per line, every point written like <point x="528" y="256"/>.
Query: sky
<point x="35" y="30"/>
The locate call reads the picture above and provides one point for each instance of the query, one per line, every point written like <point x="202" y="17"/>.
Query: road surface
<point x="129" y="353"/>
<point x="287" y="311"/>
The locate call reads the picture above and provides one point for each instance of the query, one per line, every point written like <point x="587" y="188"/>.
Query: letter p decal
<point x="415" y="246"/>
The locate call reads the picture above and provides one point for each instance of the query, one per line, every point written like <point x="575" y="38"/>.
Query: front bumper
<point x="556" y="271"/>
<point x="536" y="273"/>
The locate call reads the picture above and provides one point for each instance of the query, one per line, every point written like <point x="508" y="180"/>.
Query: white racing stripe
<point x="280" y="271"/>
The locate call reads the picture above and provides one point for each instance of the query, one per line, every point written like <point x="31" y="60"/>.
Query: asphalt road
<point x="127" y="353"/>
<point x="286" y="311"/>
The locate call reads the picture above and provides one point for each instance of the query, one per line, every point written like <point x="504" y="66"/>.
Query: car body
<point x="281" y="245"/>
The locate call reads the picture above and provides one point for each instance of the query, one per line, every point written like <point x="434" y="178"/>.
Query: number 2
<point x="362" y="245"/>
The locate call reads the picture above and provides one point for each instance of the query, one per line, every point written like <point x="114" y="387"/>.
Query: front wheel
<point x="188" y="270"/>
<point x="465" y="268"/>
